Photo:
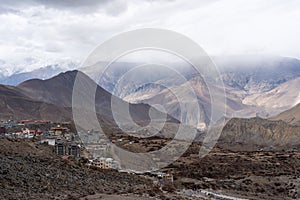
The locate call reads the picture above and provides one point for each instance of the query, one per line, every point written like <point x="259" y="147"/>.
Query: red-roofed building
<point x="31" y="121"/>
<point x="25" y="121"/>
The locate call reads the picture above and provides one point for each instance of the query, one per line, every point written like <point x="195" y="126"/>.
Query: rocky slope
<point x="59" y="90"/>
<point x="257" y="133"/>
<point x="257" y="73"/>
<point x="233" y="170"/>
<point x="254" y="85"/>
<point x="277" y="100"/>
<point x="166" y="97"/>
<point x="30" y="171"/>
<point x="291" y="116"/>
<point x="15" y="105"/>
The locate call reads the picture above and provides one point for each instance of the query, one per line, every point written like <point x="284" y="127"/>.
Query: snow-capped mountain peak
<point x="34" y="69"/>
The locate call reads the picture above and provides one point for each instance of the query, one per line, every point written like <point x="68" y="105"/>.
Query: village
<point x="66" y="142"/>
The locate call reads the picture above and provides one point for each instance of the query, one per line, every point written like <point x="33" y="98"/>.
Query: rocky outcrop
<point x="256" y="133"/>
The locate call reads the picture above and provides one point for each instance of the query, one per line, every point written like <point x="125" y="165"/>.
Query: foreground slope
<point x="31" y="171"/>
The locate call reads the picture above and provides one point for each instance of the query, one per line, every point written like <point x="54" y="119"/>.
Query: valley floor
<point x="240" y="173"/>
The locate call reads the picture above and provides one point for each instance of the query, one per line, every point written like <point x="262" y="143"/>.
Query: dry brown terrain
<point x="254" y="175"/>
<point x="30" y="171"/>
<point x="241" y="173"/>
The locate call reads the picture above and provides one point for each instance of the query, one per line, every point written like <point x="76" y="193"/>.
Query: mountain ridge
<point x="245" y="78"/>
<point x="56" y="92"/>
<point x="291" y="116"/>
<point x="16" y="105"/>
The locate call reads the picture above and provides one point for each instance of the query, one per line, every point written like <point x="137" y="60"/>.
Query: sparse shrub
<point x="169" y="187"/>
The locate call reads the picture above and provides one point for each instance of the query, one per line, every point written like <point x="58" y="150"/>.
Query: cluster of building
<point x="104" y="163"/>
<point x="19" y="129"/>
<point x="163" y="178"/>
<point x="67" y="143"/>
<point x="67" y="148"/>
<point x="34" y="121"/>
<point x="158" y="177"/>
<point x="64" y="142"/>
<point x="98" y="148"/>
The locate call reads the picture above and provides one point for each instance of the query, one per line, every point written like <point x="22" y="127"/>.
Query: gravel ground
<point x="33" y="172"/>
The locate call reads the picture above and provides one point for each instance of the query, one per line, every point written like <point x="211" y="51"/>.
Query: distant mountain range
<point x="18" y="76"/>
<point x="52" y="99"/>
<point x="277" y="100"/>
<point x="255" y="86"/>
<point x="257" y="74"/>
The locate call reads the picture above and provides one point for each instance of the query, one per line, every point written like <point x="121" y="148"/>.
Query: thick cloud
<point x="5" y="10"/>
<point x="52" y="29"/>
<point x="55" y="3"/>
<point x="80" y="6"/>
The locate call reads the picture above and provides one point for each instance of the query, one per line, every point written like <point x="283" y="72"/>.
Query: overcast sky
<point x="50" y="30"/>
